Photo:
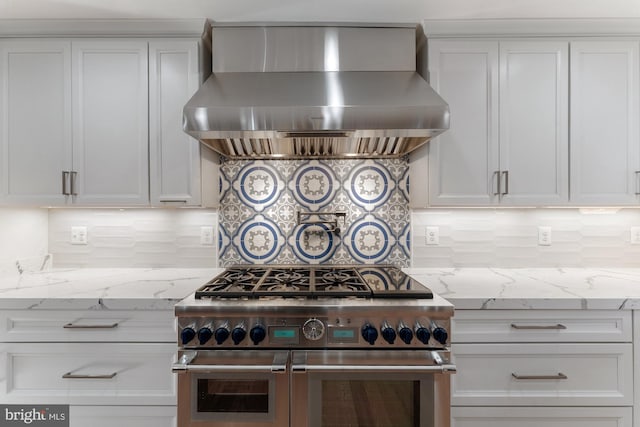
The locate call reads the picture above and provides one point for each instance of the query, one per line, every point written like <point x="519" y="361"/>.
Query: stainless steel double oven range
<point x="322" y="346"/>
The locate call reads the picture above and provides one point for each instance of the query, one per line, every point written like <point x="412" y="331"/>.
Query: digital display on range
<point x="284" y="333"/>
<point x="344" y="333"/>
<point x="340" y="335"/>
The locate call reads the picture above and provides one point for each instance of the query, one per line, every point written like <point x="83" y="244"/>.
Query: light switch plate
<point x="432" y="236"/>
<point x="79" y="235"/>
<point x="635" y="235"/>
<point x="206" y="235"/>
<point x="544" y="236"/>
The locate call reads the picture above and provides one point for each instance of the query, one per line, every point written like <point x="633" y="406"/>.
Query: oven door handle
<point x="440" y="365"/>
<point x="184" y="364"/>
<point x="416" y="369"/>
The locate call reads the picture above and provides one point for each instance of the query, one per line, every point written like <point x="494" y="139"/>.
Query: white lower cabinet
<point x="543" y="368"/>
<point x="112" y="367"/>
<point x="122" y="416"/>
<point x="540" y="417"/>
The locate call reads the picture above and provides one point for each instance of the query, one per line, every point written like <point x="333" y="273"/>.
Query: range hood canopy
<point x="315" y="90"/>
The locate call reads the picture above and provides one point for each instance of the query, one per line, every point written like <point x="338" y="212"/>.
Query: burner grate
<point x="233" y="283"/>
<point x="252" y="282"/>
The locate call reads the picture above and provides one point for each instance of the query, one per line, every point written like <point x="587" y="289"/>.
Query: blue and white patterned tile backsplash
<point x="260" y="199"/>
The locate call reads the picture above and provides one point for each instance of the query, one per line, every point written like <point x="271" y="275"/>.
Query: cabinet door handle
<point x="556" y="326"/>
<point x="172" y="200"/>
<point x="505" y="174"/>
<point x="496" y="178"/>
<point x="637" y="186"/>
<point x="70" y="376"/>
<point x="65" y="180"/>
<point x="71" y="325"/>
<point x="74" y="175"/>
<point x="559" y="376"/>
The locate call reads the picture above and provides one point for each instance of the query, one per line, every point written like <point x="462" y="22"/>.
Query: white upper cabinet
<point x="534" y="140"/>
<point x="110" y="122"/>
<point x="462" y="160"/>
<point x="174" y="156"/>
<point x="508" y="141"/>
<point x="35" y="123"/>
<point x="98" y="122"/>
<point x="605" y="157"/>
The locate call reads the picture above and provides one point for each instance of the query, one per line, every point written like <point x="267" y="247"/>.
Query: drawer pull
<point x="556" y="326"/>
<point x="70" y="376"/>
<point x="560" y="376"/>
<point x="81" y="326"/>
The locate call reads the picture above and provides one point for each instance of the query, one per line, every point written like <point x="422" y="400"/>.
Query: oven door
<point x="370" y="388"/>
<point x="232" y="388"/>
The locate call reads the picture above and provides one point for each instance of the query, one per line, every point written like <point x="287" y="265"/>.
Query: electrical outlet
<point x="544" y="236"/>
<point x="79" y="235"/>
<point x="635" y="235"/>
<point x="432" y="236"/>
<point x="206" y="235"/>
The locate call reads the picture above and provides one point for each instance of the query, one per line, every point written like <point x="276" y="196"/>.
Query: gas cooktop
<point x="255" y="282"/>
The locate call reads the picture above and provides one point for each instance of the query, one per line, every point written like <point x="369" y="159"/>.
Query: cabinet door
<point x="462" y="160"/>
<point x="35" y="78"/>
<point x="539" y="374"/>
<point x="174" y="156"/>
<point x="541" y="417"/>
<point x="88" y="373"/>
<point x="122" y="416"/>
<point x="110" y="122"/>
<point x="604" y="122"/>
<point x="534" y="141"/>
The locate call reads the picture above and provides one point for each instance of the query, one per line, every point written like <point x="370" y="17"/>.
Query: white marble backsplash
<point x="133" y="238"/>
<point x="509" y="238"/>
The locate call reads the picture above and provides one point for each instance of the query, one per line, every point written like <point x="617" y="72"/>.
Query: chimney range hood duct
<point x="314" y="90"/>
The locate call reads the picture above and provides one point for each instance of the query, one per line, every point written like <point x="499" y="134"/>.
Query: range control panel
<point x="313" y="332"/>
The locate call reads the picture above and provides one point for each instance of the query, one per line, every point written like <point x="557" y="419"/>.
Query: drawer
<point x="122" y="416"/>
<point x="541" y="417"/>
<point x="480" y="326"/>
<point x="57" y="373"/>
<point x="87" y="325"/>
<point x="532" y="375"/>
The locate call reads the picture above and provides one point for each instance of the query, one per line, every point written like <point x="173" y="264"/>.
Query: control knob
<point x="187" y="334"/>
<point x="238" y="333"/>
<point x="439" y="333"/>
<point x="388" y="333"/>
<point x="222" y="333"/>
<point x="422" y="333"/>
<point x="405" y="333"/>
<point x="257" y="334"/>
<point x="204" y="334"/>
<point x="369" y="333"/>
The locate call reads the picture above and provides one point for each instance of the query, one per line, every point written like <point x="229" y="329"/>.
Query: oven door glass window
<point x="233" y="398"/>
<point x="336" y="401"/>
<point x="216" y="395"/>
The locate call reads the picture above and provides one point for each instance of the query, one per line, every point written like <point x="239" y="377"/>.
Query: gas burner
<point x="282" y="287"/>
<point x="335" y="277"/>
<point x="341" y="287"/>
<point x="241" y="277"/>
<point x="288" y="277"/>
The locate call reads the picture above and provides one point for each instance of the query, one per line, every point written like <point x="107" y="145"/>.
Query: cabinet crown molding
<point x="552" y="27"/>
<point x="102" y="27"/>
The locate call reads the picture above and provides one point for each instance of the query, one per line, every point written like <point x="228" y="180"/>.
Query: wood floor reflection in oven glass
<point x="365" y="403"/>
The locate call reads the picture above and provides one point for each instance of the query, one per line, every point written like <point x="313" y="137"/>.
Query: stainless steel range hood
<point x="315" y="90"/>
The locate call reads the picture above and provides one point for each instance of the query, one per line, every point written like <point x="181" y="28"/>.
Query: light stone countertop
<point x="465" y="288"/>
<point x="534" y="288"/>
<point x="102" y="288"/>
